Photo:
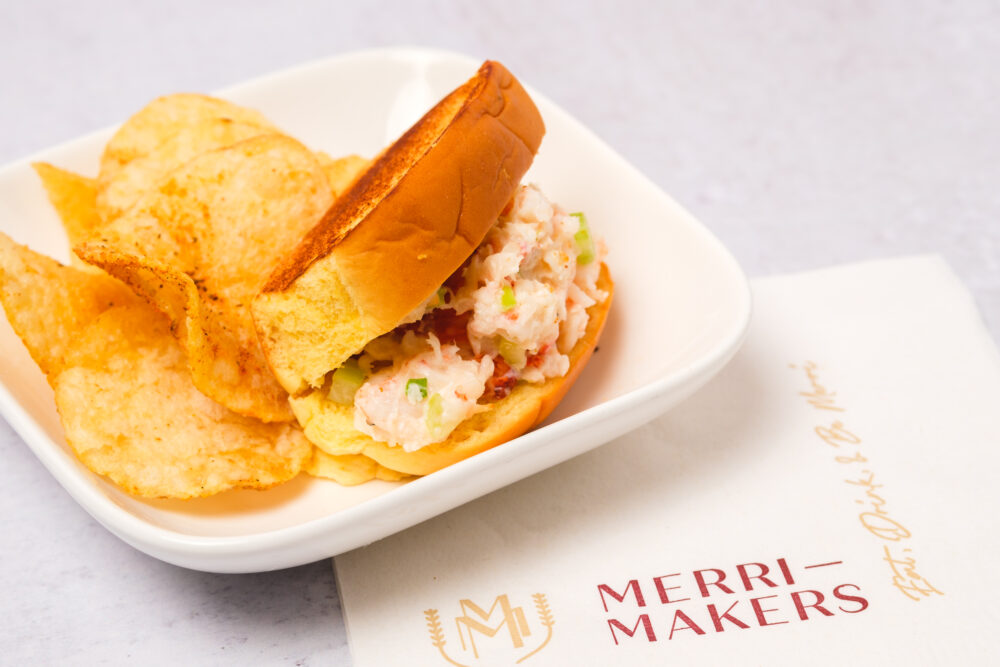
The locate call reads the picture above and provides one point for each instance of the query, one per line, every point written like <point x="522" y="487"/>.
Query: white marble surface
<point x="802" y="136"/>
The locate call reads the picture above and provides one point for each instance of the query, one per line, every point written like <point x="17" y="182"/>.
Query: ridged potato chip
<point x="192" y="220"/>
<point x="161" y="119"/>
<point x="341" y="172"/>
<point x="200" y="244"/>
<point x="75" y="199"/>
<point x="127" y="403"/>
<point x="117" y="193"/>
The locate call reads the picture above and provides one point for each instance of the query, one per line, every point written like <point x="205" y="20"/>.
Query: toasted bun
<point x="330" y="426"/>
<point x="401" y="229"/>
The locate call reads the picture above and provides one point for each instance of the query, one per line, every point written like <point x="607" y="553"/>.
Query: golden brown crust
<point x="439" y="153"/>
<point x="400" y="230"/>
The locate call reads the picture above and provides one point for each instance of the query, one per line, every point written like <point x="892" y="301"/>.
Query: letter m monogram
<point x="475" y="618"/>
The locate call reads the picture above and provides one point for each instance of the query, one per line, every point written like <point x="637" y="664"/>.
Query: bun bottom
<point x="330" y="426"/>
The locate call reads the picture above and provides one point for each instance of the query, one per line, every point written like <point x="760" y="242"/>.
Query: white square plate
<point x="682" y="306"/>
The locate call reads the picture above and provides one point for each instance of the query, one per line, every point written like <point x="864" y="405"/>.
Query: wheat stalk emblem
<point x="437" y="635"/>
<point x="545" y="616"/>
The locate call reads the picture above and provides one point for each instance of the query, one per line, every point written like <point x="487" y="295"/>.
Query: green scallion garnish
<point x="416" y="389"/>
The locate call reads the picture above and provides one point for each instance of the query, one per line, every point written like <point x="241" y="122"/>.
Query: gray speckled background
<point x="803" y="137"/>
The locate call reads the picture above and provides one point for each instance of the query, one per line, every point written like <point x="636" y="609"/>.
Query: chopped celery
<point x="416" y="390"/>
<point x="435" y="410"/>
<point x="586" y="252"/>
<point x="512" y="353"/>
<point x="345" y="382"/>
<point x="507" y="299"/>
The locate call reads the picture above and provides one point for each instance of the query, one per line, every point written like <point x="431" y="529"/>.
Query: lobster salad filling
<point x="510" y="314"/>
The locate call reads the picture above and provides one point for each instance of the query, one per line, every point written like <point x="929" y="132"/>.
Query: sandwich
<point x="440" y="307"/>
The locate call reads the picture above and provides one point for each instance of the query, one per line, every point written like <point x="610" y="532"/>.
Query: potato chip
<point x="125" y="187"/>
<point x="349" y="470"/>
<point x="75" y="199"/>
<point x="199" y="246"/>
<point x="341" y="172"/>
<point x="127" y="403"/>
<point x="161" y="119"/>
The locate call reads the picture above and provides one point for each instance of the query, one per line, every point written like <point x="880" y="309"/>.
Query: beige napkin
<point x="830" y="498"/>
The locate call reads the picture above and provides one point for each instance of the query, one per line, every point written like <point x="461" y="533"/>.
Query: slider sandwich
<point x="439" y="308"/>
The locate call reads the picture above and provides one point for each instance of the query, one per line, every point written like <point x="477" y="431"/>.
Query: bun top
<point x="400" y="230"/>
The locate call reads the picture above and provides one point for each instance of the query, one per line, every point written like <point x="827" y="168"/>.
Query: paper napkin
<point x="830" y="498"/>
